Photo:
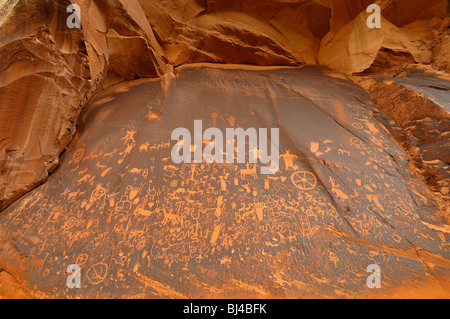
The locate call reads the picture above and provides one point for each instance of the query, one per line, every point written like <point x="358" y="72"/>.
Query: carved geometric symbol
<point x="97" y="273"/>
<point x="141" y="244"/>
<point x="355" y="141"/>
<point x="69" y="223"/>
<point x="78" y="156"/>
<point x="304" y="180"/>
<point x="81" y="259"/>
<point x="98" y="193"/>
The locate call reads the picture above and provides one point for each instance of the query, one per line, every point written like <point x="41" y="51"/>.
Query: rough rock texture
<point x="350" y="47"/>
<point x="420" y="105"/>
<point x="441" y="49"/>
<point x="125" y="40"/>
<point x="254" y="32"/>
<point x="343" y="197"/>
<point x="106" y="208"/>
<point x="59" y="69"/>
<point x="354" y="48"/>
<point x="40" y="67"/>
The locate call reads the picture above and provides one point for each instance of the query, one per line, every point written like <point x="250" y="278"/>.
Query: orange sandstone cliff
<point x="87" y="177"/>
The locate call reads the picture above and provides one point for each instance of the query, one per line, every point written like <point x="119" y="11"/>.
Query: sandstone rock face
<point x="346" y="194"/>
<point x="44" y="84"/>
<point x="441" y="49"/>
<point x="99" y="55"/>
<point x="252" y="32"/>
<point x="59" y="69"/>
<point x="353" y="48"/>
<point x="342" y="199"/>
<point x="420" y="105"/>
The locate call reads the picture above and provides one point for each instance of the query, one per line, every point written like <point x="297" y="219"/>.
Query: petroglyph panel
<point x="140" y="225"/>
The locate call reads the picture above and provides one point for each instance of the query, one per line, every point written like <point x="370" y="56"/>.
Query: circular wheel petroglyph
<point x="304" y="180"/>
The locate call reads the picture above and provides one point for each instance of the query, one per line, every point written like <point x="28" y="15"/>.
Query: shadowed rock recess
<point x="87" y="176"/>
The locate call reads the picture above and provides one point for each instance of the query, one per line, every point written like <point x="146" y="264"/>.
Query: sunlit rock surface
<point x="363" y="177"/>
<point x="61" y="68"/>
<point x="49" y="72"/>
<point x="141" y="226"/>
<point x="419" y="103"/>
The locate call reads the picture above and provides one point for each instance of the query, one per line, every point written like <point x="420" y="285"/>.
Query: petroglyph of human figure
<point x="289" y="160"/>
<point x="129" y="137"/>
<point x="223" y="184"/>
